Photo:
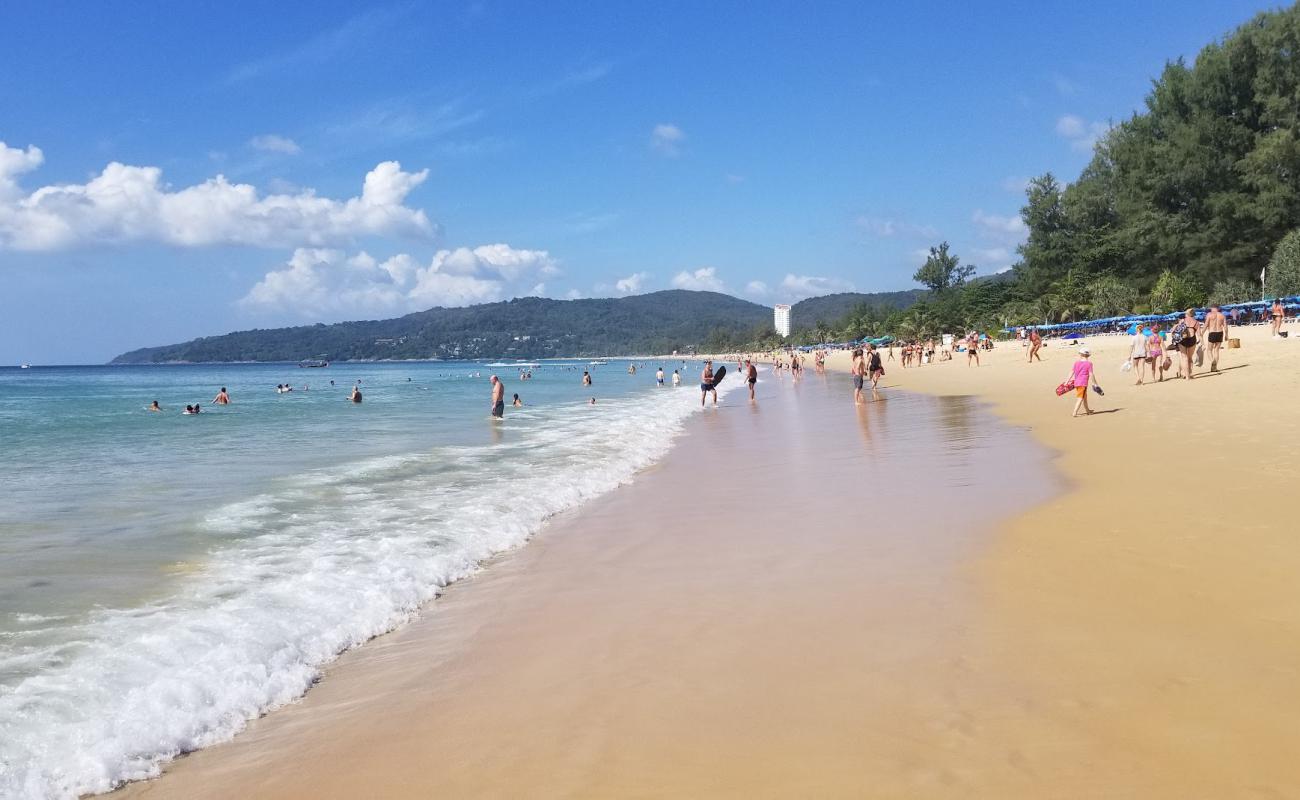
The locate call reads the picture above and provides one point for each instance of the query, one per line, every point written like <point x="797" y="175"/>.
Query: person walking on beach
<point x="751" y="376"/>
<point x="1279" y="314"/>
<point x="1035" y="344"/>
<point x="222" y="399"/>
<point x="874" y="369"/>
<point x="707" y="385"/>
<point x="1156" y="355"/>
<point x="1187" y="341"/>
<point x="858" y="369"/>
<point x="498" y="397"/>
<point x="972" y="348"/>
<point x="1138" y="353"/>
<point x="1081" y="374"/>
<point x="1216" y="327"/>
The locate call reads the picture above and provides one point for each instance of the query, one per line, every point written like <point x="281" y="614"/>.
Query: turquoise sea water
<point x="164" y="577"/>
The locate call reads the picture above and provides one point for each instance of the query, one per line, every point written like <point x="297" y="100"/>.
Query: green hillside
<point x="530" y="327"/>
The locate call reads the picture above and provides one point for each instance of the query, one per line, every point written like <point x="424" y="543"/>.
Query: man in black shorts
<point x="707" y="385"/>
<point x="751" y="376"/>
<point x="498" y="398"/>
<point x="1216" y="327"/>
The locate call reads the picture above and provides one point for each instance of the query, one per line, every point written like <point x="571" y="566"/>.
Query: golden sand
<point x="1136" y="636"/>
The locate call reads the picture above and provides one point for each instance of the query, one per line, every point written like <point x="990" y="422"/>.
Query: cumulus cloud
<point x="704" y="279"/>
<point x="756" y="289"/>
<point x="132" y="204"/>
<point x="317" y="282"/>
<point x="274" y="143"/>
<point x="798" y="287"/>
<point x="632" y="283"/>
<point x="667" y="139"/>
<point x="1081" y="135"/>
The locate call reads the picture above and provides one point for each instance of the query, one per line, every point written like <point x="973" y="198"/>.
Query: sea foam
<point x="314" y="565"/>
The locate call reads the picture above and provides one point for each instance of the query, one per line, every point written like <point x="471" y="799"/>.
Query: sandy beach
<point x="907" y="599"/>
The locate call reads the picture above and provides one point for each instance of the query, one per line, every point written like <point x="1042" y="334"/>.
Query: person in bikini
<point x="1216" y="327"/>
<point x="874" y="368"/>
<point x="1279" y="314"/>
<point x="1155" y="355"/>
<point x="1187" y="342"/>
<point x="1035" y="344"/>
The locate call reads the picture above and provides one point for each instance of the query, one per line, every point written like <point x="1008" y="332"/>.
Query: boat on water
<point x="26" y="366"/>
<point x="598" y="363"/>
<point x="313" y="363"/>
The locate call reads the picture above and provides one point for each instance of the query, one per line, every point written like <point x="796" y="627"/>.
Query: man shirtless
<point x="859" y="370"/>
<point x="751" y="376"/>
<point x="1216" y="328"/>
<point x="498" y="398"/>
<point x="222" y="399"/>
<point x="707" y="385"/>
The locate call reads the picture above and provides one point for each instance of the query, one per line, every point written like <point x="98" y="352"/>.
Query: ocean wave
<point x="314" y="565"/>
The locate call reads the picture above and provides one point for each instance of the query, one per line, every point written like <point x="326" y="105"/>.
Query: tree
<point x="1069" y="298"/>
<point x="1282" y="279"/>
<point x="1111" y="297"/>
<point x="1173" y="292"/>
<point x="942" y="270"/>
<point x="1233" y="290"/>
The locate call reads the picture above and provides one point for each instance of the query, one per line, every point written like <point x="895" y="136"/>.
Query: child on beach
<point x="1081" y="374"/>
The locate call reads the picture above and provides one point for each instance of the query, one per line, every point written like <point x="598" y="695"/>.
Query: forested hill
<point x="833" y="307"/>
<point x="530" y="327"/>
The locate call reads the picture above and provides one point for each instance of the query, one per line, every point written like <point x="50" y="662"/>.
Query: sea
<point x="165" y="578"/>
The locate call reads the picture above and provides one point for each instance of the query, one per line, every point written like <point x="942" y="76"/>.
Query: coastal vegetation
<point x="1184" y="203"/>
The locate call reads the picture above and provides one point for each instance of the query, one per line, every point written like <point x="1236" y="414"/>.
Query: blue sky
<point x="176" y="170"/>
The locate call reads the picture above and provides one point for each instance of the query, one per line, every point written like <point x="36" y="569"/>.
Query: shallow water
<point x="164" y="578"/>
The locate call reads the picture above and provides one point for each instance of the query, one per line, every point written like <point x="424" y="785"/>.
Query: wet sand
<point x="785" y="606"/>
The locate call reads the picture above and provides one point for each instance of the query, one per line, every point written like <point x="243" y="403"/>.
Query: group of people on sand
<point x="866" y="367"/>
<point x="1190" y="339"/>
<point x="1186" y="345"/>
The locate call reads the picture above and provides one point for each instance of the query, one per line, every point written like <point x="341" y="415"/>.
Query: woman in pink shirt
<point x="1081" y="375"/>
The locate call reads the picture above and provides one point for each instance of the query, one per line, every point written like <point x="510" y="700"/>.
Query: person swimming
<point x="356" y="394"/>
<point x="517" y="402"/>
<point x="222" y="399"/>
<point x="154" y="406"/>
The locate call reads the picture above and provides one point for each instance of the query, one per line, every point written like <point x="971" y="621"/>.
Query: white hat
<point x="1083" y="351"/>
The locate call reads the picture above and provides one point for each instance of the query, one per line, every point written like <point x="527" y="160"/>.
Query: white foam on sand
<point x="309" y="568"/>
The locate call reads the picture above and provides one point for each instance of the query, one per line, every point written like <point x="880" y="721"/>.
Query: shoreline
<point x="619" y="655"/>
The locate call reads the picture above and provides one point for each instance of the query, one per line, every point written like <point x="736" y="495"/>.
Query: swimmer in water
<point x="188" y="410"/>
<point x="154" y="406"/>
<point x="356" y="394"/>
<point x="517" y="402"/>
<point x="592" y="401"/>
<point x="222" y="399"/>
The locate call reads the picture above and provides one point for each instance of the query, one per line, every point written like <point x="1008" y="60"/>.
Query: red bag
<point x="1063" y="388"/>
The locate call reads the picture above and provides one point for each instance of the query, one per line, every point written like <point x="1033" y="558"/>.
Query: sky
<point x="175" y="170"/>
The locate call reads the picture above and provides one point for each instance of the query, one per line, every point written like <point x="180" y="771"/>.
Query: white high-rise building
<point x="782" y="319"/>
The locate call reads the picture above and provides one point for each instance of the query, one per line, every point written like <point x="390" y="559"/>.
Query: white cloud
<point x="885" y="228"/>
<point x="756" y="289"/>
<point x="1081" y="135"/>
<point x="1015" y="184"/>
<point x="667" y="139"/>
<point x="132" y="204"/>
<point x="274" y="143"/>
<point x="632" y="283"/>
<point x="704" y="279"/>
<point x="1064" y="86"/>
<point x="323" y="282"/>
<point x="798" y="287"/>
<point x="573" y="294"/>
<point x="1009" y="228"/>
